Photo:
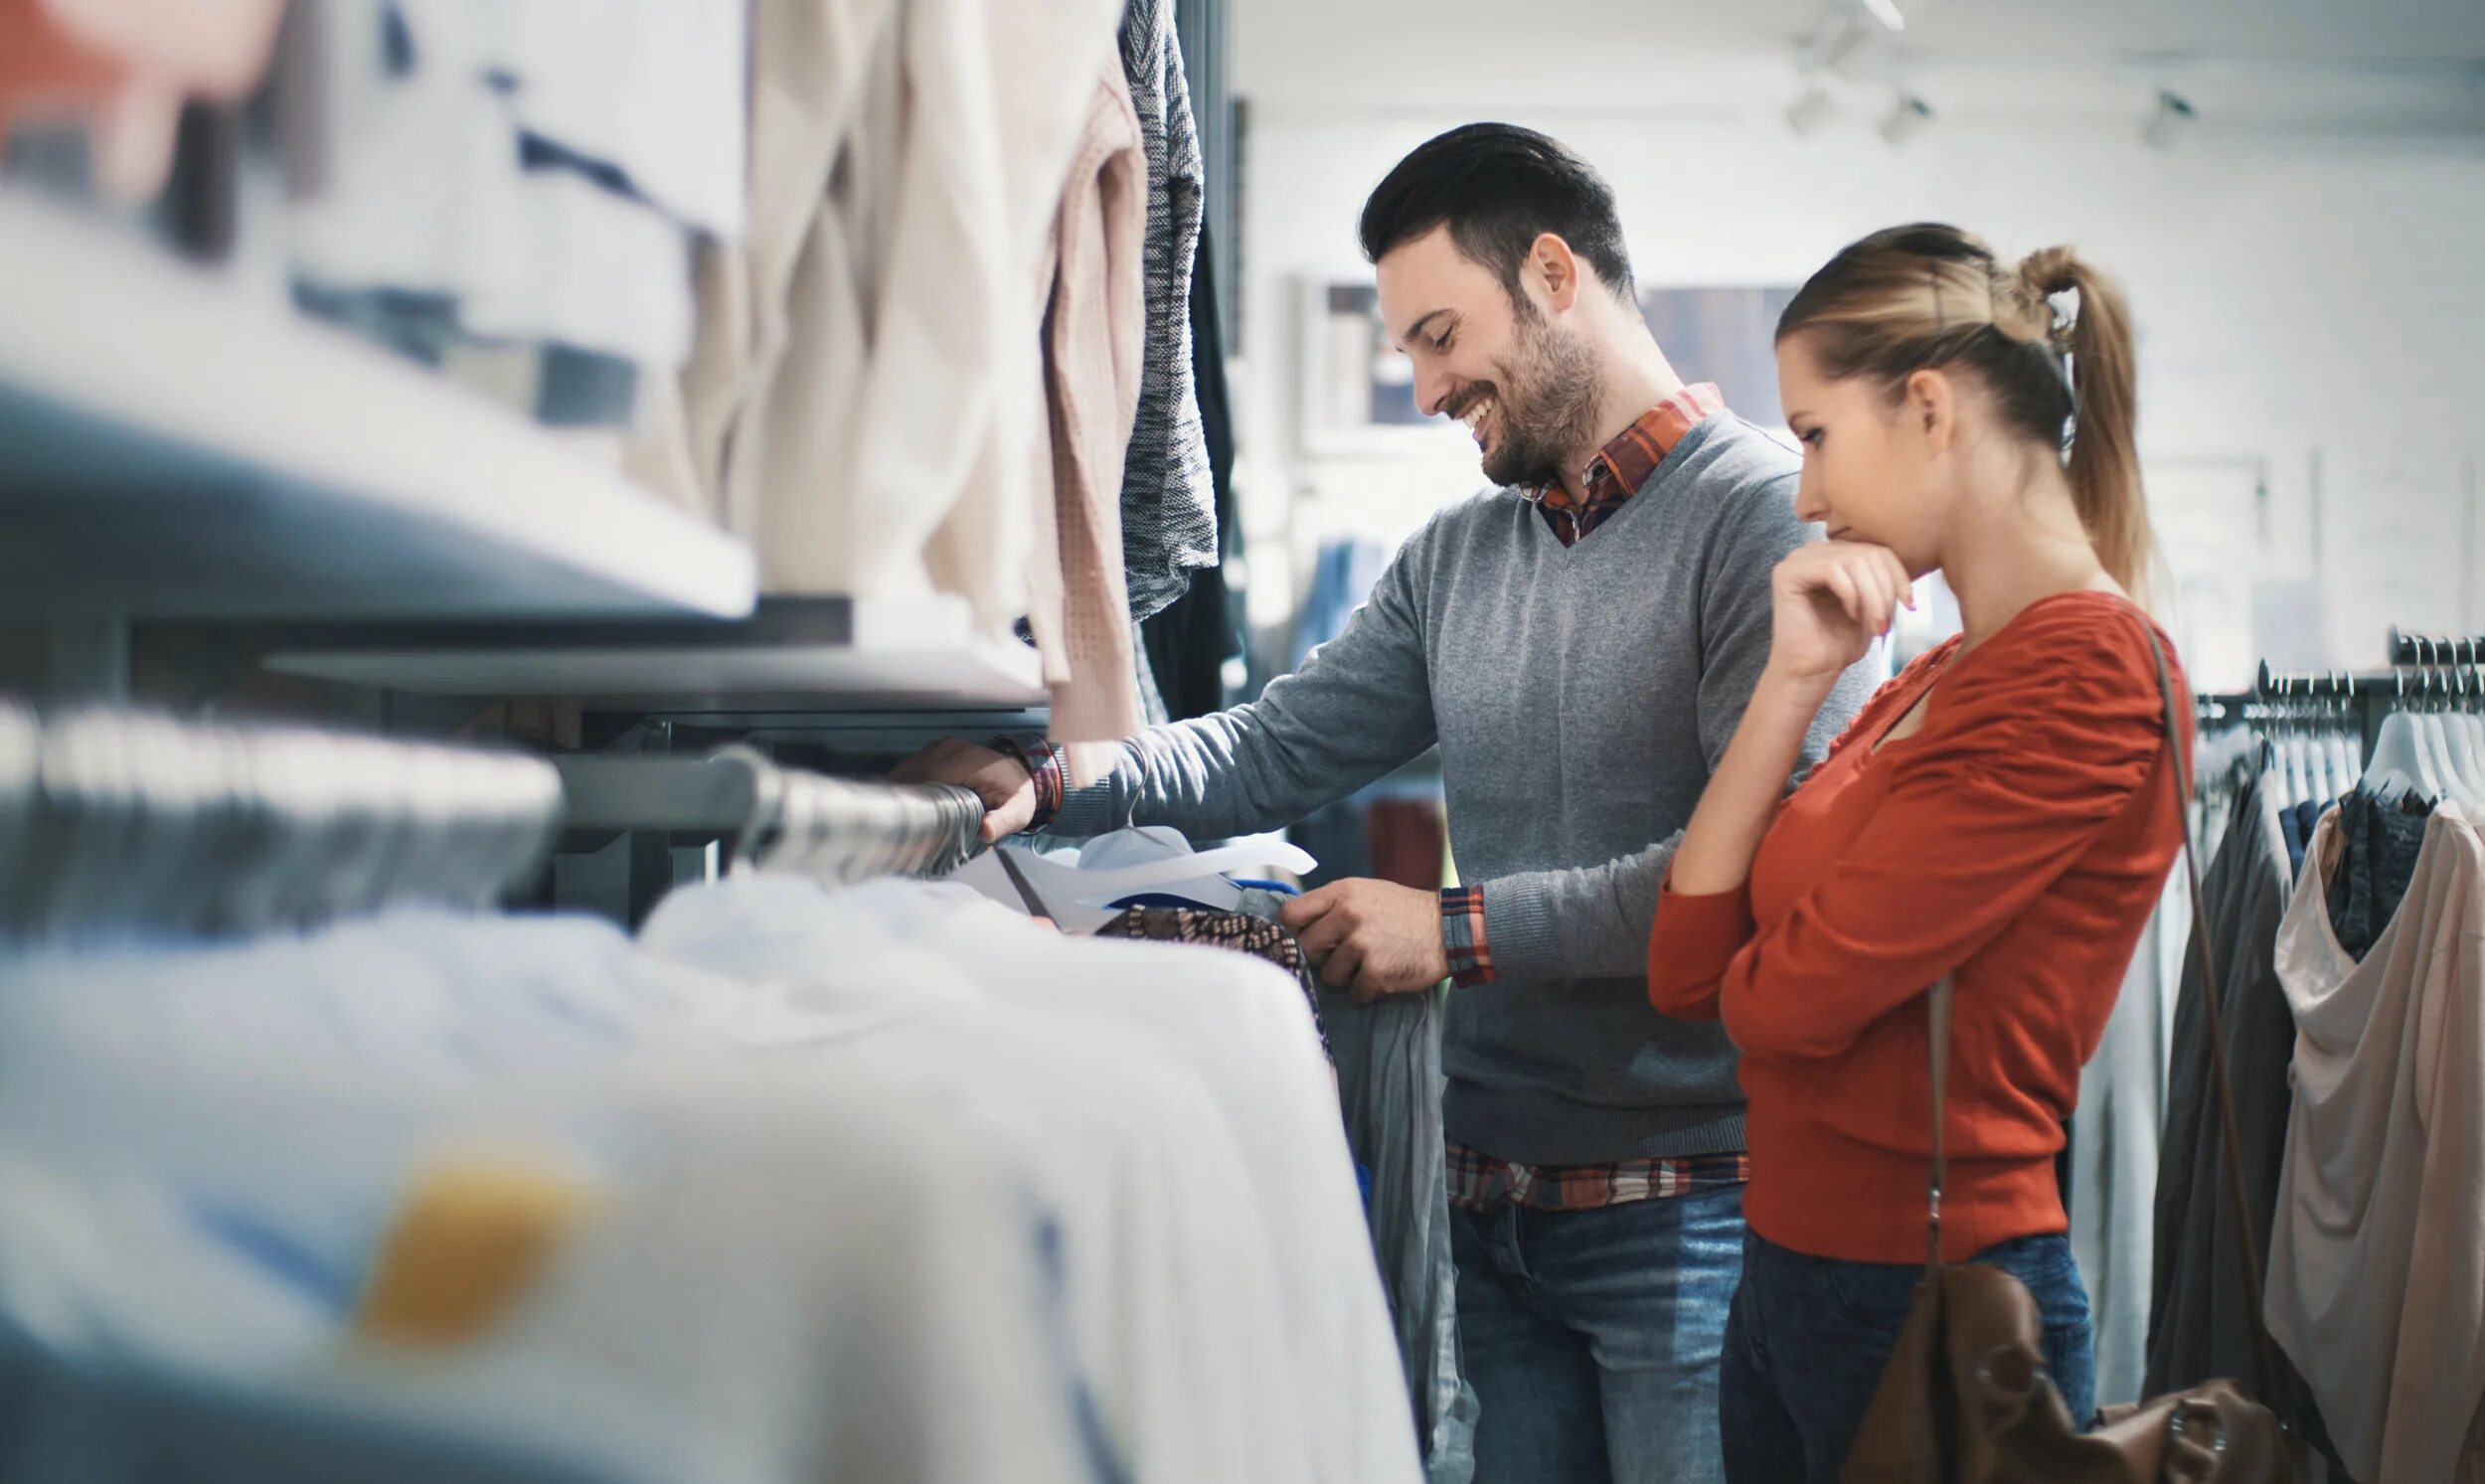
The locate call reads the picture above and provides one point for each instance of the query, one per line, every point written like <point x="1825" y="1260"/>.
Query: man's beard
<point x="1545" y="399"/>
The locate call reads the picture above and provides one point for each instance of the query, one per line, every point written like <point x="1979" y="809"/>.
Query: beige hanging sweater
<point x="863" y="401"/>
<point x="2377" y="1258"/>
<point x="1094" y="343"/>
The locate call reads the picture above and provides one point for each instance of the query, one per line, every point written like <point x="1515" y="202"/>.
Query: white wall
<point x="2309" y="314"/>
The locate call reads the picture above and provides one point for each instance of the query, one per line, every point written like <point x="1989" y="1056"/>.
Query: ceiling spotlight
<point x="2173" y="119"/>
<point x="1887" y="12"/>
<point x="1806" y="115"/>
<point x="1908" y="118"/>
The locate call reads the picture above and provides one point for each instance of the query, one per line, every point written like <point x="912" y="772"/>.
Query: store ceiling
<point x="2386" y="66"/>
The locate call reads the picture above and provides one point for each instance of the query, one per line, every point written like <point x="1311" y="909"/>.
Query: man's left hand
<point x="1374" y="938"/>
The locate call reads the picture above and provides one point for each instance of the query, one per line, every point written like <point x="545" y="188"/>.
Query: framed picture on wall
<point x="1358" y="392"/>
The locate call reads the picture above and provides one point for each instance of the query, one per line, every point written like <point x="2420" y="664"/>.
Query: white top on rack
<point x="174" y="443"/>
<point x="816" y="654"/>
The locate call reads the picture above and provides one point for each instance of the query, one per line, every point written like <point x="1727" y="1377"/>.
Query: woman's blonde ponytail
<point x="2105" y="466"/>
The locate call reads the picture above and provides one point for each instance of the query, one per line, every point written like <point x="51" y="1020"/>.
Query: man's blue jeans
<point x="1592" y="1338"/>
<point x="1810" y="1337"/>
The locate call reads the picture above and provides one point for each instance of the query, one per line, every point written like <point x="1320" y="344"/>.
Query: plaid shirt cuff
<point x="1046" y="766"/>
<point x="1462" y="936"/>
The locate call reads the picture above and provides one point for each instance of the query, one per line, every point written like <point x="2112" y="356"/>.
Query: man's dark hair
<point x="1499" y="187"/>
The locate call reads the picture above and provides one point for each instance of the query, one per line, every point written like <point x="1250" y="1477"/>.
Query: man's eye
<point x="1441" y="343"/>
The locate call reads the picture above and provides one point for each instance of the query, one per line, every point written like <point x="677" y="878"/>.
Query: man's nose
<point x="1433" y="390"/>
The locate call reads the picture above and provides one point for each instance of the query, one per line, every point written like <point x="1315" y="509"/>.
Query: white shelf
<point x="806" y="655"/>
<point x="176" y="444"/>
<point x="700" y="677"/>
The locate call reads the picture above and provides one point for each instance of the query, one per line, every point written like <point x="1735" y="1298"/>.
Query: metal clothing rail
<point x="2437" y="649"/>
<point x="2306" y="701"/>
<point x="2280" y="708"/>
<point x="2297" y="696"/>
<point x="2438" y="674"/>
<point x="2295" y="693"/>
<point x="124" y="820"/>
<point x="833" y="829"/>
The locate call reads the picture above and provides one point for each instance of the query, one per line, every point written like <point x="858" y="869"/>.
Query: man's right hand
<point x="1009" y="794"/>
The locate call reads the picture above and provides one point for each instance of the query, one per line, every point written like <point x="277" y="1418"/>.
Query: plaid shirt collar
<point x="1624" y="464"/>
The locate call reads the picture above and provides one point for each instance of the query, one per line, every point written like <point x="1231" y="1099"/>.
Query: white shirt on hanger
<point x="1246" y="1029"/>
<point x="724" y="1309"/>
<point x="1172" y="1293"/>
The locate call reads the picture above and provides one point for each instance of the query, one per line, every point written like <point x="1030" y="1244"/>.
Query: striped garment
<point x="1168" y="497"/>
<point x="1462" y="934"/>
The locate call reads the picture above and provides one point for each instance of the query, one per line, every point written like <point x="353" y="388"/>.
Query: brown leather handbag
<point x="1965" y="1398"/>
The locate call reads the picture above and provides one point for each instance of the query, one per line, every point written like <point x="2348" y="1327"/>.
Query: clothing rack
<point x="834" y="829"/>
<point x="2427" y="670"/>
<point x="115" y="820"/>
<point x="2308" y="698"/>
<point x="119" y="820"/>
<point x="2437" y="649"/>
<point x="2294" y="696"/>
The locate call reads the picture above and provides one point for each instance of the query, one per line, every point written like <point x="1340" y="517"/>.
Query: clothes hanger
<point x="2398" y="763"/>
<point x="2356" y="740"/>
<point x="2466" y="780"/>
<point x="2450" y="692"/>
<point x="2306" y="741"/>
<point x="2449" y="698"/>
<point x="2417" y="697"/>
<point x="2302" y="781"/>
<point x="2271" y="752"/>
<point x="2467" y="730"/>
<point x="2344" y="764"/>
<point x="2428" y="736"/>
<point x="2320" y="734"/>
<point x="2429" y="732"/>
<point x="2325" y="781"/>
<point x="2289" y="742"/>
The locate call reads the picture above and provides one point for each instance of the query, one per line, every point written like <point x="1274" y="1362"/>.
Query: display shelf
<point x="179" y="443"/>
<point x="824" y="654"/>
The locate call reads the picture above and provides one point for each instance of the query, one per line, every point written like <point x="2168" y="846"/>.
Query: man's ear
<point x="1554" y="269"/>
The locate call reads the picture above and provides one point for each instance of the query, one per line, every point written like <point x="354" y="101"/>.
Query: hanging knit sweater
<point x="1168" y="500"/>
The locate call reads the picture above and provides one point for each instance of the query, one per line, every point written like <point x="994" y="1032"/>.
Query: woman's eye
<point x="1812" y="438"/>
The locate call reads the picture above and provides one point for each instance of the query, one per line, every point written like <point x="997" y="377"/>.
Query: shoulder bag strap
<point x="2239" y="1207"/>
<point x="1937" y="1010"/>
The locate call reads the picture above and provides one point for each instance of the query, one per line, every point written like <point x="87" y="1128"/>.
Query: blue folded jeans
<point x="1809" y="1337"/>
<point x="1592" y="1338"/>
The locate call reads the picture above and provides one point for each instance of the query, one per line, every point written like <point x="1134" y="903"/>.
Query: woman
<point x="2004" y="812"/>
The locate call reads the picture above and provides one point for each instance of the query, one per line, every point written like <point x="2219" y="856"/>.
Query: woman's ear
<point x="1931" y="403"/>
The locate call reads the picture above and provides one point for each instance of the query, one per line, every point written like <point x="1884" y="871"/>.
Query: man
<point x="1580" y="643"/>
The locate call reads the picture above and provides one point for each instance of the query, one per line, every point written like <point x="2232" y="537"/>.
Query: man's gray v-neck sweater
<point x="1580" y="696"/>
